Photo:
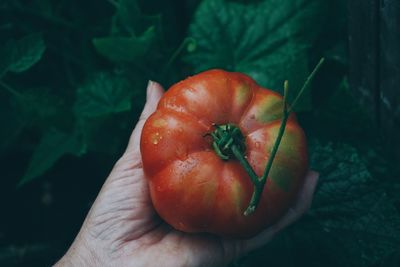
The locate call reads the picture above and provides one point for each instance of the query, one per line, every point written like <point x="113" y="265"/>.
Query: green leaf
<point x="125" y="49"/>
<point x="103" y="94"/>
<point x="106" y="135"/>
<point x="130" y="20"/>
<point x="128" y="14"/>
<point x="20" y="55"/>
<point x="101" y="110"/>
<point x="53" y="145"/>
<point x="100" y="103"/>
<point x="268" y="40"/>
<point x="40" y="106"/>
<point x="352" y="206"/>
<point x="352" y="222"/>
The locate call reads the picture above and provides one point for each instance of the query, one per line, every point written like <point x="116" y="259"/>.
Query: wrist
<point x="79" y="254"/>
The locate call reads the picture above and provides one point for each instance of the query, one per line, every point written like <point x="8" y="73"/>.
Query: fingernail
<point x="150" y="90"/>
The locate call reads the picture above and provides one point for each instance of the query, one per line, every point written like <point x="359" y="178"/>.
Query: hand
<point x="122" y="228"/>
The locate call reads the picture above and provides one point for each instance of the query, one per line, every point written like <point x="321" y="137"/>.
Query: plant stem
<point x="259" y="185"/>
<point x="246" y="165"/>
<point x="255" y="199"/>
<point x="276" y="146"/>
<point x="306" y="84"/>
<point x="229" y="140"/>
<point x="282" y="128"/>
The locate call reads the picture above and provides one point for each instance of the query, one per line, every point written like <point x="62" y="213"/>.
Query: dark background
<point x="72" y="84"/>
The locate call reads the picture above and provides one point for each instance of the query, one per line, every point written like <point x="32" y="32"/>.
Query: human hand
<point x="123" y="229"/>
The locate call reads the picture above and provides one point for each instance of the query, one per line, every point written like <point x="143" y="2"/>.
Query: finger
<point x="153" y="95"/>
<point x="303" y="201"/>
<point x="302" y="204"/>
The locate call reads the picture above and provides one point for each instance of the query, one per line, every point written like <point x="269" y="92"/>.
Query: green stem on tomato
<point x="306" y="84"/>
<point x="255" y="198"/>
<point x="219" y="152"/>
<point x="228" y="142"/>
<point x="246" y="165"/>
<point x="259" y="187"/>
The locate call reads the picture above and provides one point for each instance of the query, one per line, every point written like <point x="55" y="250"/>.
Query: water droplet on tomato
<point x="159" y="188"/>
<point x="156" y="138"/>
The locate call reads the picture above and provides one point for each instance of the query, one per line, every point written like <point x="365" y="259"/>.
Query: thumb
<point x="153" y="95"/>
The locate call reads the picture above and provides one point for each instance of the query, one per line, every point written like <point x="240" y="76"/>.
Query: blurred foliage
<point x="271" y="47"/>
<point x="72" y="84"/>
<point x="353" y="221"/>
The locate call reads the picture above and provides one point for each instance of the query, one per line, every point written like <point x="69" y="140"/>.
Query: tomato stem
<point x="259" y="187"/>
<point x="228" y="142"/>
<point x="246" y="165"/>
<point x="306" y="84"/>
<point x="255" y="198"/>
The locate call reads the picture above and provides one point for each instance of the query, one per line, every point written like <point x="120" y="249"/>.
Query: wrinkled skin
<point x="191" y="187"/>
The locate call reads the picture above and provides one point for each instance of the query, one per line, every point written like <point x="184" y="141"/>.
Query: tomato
<point x="196" y="190"/>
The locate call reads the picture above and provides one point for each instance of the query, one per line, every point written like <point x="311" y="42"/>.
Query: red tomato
<point x="195" y="190"/>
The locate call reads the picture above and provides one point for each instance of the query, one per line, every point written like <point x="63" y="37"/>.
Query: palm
<point x="123" y="225"/>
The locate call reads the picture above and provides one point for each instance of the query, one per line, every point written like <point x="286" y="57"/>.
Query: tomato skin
<point x="194" y="190"/>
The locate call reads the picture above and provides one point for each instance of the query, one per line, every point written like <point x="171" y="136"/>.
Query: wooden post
<point x="374" y="45"/>
<point x="390" y="72"/>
